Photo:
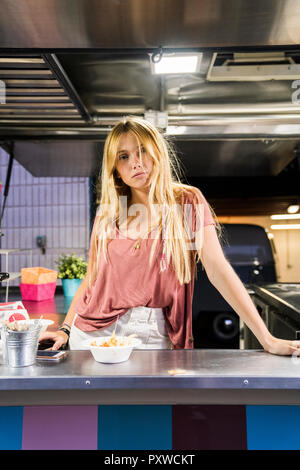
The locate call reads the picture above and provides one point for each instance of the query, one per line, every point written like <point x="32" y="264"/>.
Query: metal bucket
<point x="20" y="347"/>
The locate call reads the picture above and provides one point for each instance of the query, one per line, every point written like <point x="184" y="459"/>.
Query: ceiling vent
<point x="34" y="89"/>
<point x="246" y="67"/>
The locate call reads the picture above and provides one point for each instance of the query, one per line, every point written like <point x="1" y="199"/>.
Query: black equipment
<point x="249" y="251"/>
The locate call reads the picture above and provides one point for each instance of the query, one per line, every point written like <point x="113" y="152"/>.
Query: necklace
<point x="137" y="243"/>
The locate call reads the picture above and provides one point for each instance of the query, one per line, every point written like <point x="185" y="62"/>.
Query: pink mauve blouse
<point x="127" y="281"/>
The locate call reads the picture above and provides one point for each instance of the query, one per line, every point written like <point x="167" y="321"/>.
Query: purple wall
<point x="55" y="207"/>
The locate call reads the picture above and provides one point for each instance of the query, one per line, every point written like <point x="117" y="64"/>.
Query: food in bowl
<point x="24" y="325"/>
<point x="113" y="349"/>
<point x="114" y="341"/>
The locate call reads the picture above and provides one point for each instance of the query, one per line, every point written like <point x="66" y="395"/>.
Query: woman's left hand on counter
<point x="59" y="339"/>
<point x="283" y="347"/>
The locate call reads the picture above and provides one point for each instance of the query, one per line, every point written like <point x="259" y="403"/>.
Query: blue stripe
<point x="135" y="427"/>
<point x="273" y="427"/>
<point x="11" y="427"/>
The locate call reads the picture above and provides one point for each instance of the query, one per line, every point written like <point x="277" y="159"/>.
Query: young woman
<point x="149" y="232"/>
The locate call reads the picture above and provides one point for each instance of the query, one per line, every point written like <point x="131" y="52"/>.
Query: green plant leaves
<point x="71" y="267"/>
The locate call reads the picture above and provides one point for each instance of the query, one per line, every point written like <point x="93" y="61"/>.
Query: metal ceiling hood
<point x="124" y="24"/>
<point x="99" y="89"/>
<point x="83" y="158"/>
<point x="213" y="120"/>
<point x="245" y="109"/>
<point x="37" y="88"/>
<point x="69" y="159"/>
<point x="196" y="131"/>
<point x="254" y="66"/>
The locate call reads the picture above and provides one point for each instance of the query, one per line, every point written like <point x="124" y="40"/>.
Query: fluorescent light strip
<point x="285" y="227"/>
<point x="285" y="216"/>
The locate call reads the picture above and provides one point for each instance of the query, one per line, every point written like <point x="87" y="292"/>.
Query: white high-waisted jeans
<point x="147" y="323"/>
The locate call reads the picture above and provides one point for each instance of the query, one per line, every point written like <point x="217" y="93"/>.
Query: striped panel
<point x="209" y="427"/>
<point x="60" y="427"/>
<point x="135" y="427"/>
<point x="11" y="422"/>
<point x="273" y="427"/>
<point x="150" y="427"/>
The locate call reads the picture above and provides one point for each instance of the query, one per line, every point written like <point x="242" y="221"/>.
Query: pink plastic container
<point x="38" y="291"/>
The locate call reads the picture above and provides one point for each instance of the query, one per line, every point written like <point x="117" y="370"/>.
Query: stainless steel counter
<point x="283" y="297"/>
<point x="212" y="376"/>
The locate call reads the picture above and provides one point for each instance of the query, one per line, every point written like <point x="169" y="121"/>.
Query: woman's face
<point x="134" y="172"/>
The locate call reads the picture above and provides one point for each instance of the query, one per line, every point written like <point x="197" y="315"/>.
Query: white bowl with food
<point x="112" y="349"/>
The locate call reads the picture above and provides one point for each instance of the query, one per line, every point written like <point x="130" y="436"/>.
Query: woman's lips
<point x="139" y="175"/>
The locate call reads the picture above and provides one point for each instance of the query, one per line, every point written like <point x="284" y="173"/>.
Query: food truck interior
<point x="68" y="72"/>
<point x="69" y="69"/>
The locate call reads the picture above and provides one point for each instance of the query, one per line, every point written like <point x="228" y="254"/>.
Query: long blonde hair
<point x="165" y="190"/>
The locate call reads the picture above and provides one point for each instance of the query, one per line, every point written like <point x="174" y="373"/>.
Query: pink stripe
<point x="60" y="427"/>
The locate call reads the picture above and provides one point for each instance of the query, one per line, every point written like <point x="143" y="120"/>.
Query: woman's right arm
<point x="60" y="337"/>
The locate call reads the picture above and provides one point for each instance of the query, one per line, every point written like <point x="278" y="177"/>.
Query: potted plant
<point x="71" y="270"/>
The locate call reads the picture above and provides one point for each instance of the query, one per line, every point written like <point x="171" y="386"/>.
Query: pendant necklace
<point x="137" y="243"/>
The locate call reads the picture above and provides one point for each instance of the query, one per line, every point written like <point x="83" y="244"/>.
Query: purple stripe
<point x="209" y="427"/>
<point x="60" y="427"/>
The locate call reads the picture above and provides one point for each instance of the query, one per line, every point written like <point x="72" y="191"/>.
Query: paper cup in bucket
<point x="20" y="347"/>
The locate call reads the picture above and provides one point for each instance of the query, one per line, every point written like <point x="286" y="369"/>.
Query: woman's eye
<point x="122" y="157"/>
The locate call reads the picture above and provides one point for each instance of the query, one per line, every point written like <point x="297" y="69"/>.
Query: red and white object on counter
<point x="16" y="314"/>
<point x="13" y="311"/>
